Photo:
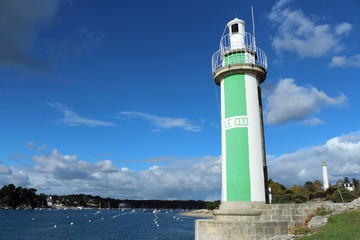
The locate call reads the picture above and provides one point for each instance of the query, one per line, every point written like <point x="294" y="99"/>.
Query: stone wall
<point x="296" y="214"/>
<point x="257" y="221"/>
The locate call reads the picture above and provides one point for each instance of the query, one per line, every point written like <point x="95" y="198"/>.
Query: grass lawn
<point x="339" y="227"/>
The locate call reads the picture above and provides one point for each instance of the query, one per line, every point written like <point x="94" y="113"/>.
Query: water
<point x="93" y="224"/>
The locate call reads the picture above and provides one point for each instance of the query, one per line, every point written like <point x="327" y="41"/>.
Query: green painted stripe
<point x="237" y="147"/>
<point x="235" y="58"/>
<point x="235" y="95"/>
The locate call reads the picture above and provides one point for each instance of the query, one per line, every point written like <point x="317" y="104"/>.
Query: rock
<point x="282" y="237"/>
<point x="203" y="213"/>
<point x="318" y="221"/>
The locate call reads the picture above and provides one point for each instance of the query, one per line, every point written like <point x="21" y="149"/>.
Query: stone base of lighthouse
<point x="240" y="221"/>
<point x="256" y="221"/>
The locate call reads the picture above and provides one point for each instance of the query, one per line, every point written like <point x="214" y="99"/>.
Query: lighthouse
<point x="325" y="176"/>
<point x="239" y="67"/>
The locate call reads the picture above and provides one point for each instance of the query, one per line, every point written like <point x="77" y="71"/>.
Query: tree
<point x="42" y="200"/>
<point x="276" y="188"/>
<point x="310" y="187"/>
<point x="355" y="182"/>
<point x="318" y="185"/>
<point x="299" y="190"/>
<point x="299" y="198"/>
<point x="343" y="195"/>
<point x="213" y="205"/>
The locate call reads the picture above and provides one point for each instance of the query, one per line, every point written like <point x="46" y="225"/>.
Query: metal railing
<point x="242" y="52"/>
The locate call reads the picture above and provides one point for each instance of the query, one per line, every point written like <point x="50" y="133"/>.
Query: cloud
<point x="154" y="160"/>
<point x="13" y="175"/>
<point x="38" y="147"/>
<point x="290" y="102"/>
<point x="68" y="166"/>
<point x="105" y="166"/>
<point x="19" y="24"/>
<point x="163" y="123"/>
<point x="196" y="178"/>
<point x="345" y="62"/>
<point x="312" y="122"/>
<point x="340" y="153"/>
<point x="62" y="166"/>
<point x="299" y="34"/>
<point x="72" y="119"/>
<point x="343" y="28"/>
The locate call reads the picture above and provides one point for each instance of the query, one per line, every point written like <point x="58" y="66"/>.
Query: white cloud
<point x="299" y="34"/>
<point x="312" y="122"/>
<point x="105" y="166"/>
<point x="197" y="178"/>
<point x="343" y="61"/>
<point x="5" y="169"/>
<point x="290" y="102"/>
<point x="154" y="160"/>
<point x="38" y="147"/>
<point x="163" y="123"/>
<point x="57" y="173"/>
<point x="69" y="166"/>
<point x="340" y="153"/>
<point x="343" y="28"/>
<point x="12" y="175"/>
<point x="71" y="118"/>
<point x="62" y="166"/>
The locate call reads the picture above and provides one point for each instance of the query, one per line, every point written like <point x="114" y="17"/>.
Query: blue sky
<point x="116" y="98"/>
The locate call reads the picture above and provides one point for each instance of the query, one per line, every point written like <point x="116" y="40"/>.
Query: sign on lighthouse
<point x="238" y="68"/>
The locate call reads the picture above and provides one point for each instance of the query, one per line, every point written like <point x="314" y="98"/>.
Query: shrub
<point x="276" y="199"/>
<point x="213" y="205"/>
<point x="289" y="198"/>
<point x="320" y="195"/>
<point x="301" y="230"/>
<point x="346" y="195"/>
<point x="288" y="192"/>
<point x="286" y="198"/>
<point x="299" y="198"/>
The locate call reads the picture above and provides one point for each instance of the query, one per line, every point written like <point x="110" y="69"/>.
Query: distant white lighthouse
<point x="325" y="176"/>
<point x="238" y="68"/>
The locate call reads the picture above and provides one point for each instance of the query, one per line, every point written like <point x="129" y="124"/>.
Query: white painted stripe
<point x="235" y="122"/>
<point x="223" y="146"/>
<point x="255" y="143"/>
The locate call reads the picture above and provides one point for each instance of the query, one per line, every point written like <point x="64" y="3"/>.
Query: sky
<point x="117" y="99"/>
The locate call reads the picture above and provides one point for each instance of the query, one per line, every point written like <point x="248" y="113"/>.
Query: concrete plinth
<point x="239" y="221"/>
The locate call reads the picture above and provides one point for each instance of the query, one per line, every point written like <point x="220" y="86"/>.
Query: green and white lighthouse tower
<point x="239" y="67"/>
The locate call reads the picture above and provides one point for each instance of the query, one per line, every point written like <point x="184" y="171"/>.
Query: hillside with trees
<point x="12" y="197"/>
<point x="343" y="191"/>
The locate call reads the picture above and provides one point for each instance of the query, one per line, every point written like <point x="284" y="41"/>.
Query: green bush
<point x="289" y="198"/>
<point x="346" y="195"/>
<point x="288" y="192"/>
<point x="286" y="198"/>
<point x="276" y="199"/>
<point x="213" y="205"/>
<point x="299" y="198"/>
<point x="322" y="194"/>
